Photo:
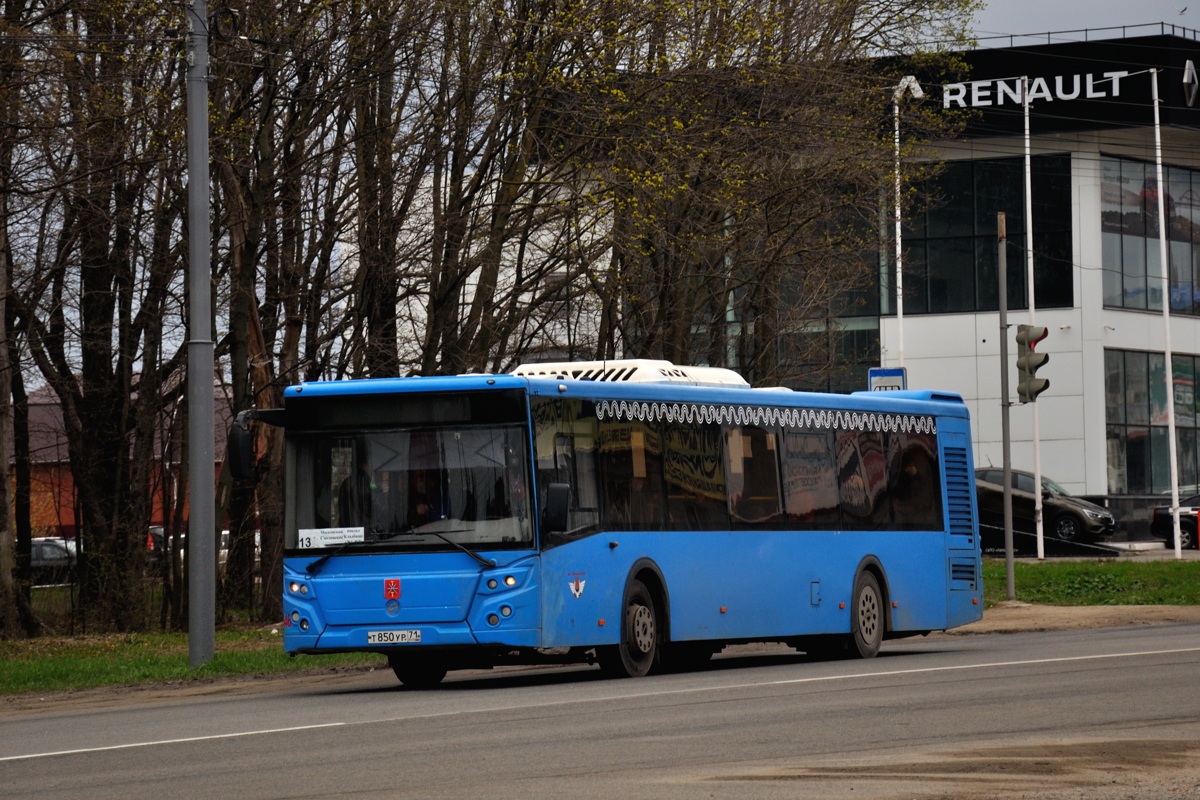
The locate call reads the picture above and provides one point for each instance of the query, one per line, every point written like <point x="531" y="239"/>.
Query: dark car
<point x="52" y="560"/>
<point x="1163" y="527"/>
<point x="1066" y="518"/>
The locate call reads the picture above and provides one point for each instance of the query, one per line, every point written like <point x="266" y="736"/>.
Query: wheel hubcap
<point x="642" y="628"/>
<point x="868" y="616"/>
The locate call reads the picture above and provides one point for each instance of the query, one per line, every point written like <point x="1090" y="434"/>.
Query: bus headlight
<point x="509" y="580"/>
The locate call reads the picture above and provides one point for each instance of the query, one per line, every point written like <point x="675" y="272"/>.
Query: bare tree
<point x="741" y="157"/>
<point x="93" y="294"/>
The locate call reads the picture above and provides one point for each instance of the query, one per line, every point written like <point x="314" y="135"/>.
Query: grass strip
<point x="80" y="662"/>
<point x="1095" y="583"/>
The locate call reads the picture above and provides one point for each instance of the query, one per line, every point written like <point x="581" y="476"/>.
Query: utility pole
<point x="201" y="544"/>
<point x="1163" y="266"/>
<point x="1029" y="290"/>
<point x="1006" y="438"/>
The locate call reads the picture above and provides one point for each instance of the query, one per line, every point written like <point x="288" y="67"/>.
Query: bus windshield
<point x="410" y="488"/>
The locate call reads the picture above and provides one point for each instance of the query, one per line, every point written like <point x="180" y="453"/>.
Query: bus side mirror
<point x="558" y="500"/>
<point x="239" y="445"/>
<point x="239" y="449"/>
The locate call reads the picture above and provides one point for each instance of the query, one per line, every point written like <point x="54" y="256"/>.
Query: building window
<point x="1131" y="259"/>
<point x="832" y="357"/>
<point x="950" y="249"/>
<point x="1139" y="458"/>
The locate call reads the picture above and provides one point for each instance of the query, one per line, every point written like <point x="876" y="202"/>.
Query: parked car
<point x="52" y="560"/>
<point x="1067" y="518"/>
<point x="158" y="544"/>
<point x="1163" y="527"/>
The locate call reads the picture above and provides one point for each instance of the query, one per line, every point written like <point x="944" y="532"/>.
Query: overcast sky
<point x="1001" y="17"/>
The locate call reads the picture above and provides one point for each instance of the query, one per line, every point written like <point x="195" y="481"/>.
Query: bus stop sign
<point x="887" y="379"/>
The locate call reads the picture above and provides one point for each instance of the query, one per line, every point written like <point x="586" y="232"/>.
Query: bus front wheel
<point x="635" y="653"/>
<point x="417" y="672"/>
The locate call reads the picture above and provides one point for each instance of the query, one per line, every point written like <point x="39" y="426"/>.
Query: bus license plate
<point x="393" y="637"/>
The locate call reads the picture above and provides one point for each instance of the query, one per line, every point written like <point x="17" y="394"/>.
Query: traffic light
<point x="1029" y="386"/>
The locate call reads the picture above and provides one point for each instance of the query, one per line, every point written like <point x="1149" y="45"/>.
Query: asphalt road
<point x="1065" y="714"/>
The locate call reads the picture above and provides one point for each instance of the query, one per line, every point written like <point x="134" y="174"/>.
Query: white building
<point x="1103" y="421"/>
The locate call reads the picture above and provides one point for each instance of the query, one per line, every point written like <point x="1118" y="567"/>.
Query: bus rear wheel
<point x="867" y="617"/>
<point x="635" y="654"/>
<point x="417" y="672"/>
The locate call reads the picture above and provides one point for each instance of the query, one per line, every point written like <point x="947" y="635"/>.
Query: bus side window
<point x="752" y="476"/>
<point x="631" y="467"/>
<point x="693" y="468"/>
<point x="915" y="482"/>
<point x="863" y="480"/>
<point x="810" y="487"/>
<point x="566" y="442"/>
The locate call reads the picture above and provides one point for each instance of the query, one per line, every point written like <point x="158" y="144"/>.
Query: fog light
<point x="492" y="583"/>
<point x="295" y="616"/>
<point x="509" y="580"/>
<point x="303" y="624"/>
<point x="493" y="619"/>
<point x="505" y="611"/>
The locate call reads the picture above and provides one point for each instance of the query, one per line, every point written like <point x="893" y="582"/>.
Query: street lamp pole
<point x="907" y="84"/>
<point x="201" y="545"/>
<point x="1164" y="271"/>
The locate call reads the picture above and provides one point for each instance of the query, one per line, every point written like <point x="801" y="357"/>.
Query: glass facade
<point x="1129" y="222"/>
<point x="950" y="263"/>
<point x="849" y="347"/>
<point x="1139" y="458"/>
<point x="950" y="248"/>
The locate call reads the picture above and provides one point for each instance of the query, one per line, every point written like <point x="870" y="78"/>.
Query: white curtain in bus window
<point x="915" y="482"/>
<point x="752" y="477"/>
<point x="692" y="466"/>
<point x="810" y="485"/>
<point x="863" y="480"/>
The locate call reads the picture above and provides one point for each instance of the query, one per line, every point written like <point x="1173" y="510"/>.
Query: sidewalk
<point x="1151" y="550"/>
<point x="1057" y="550"/>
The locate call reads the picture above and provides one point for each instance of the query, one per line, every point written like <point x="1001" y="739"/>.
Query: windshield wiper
<point x="315" y="567"/>
<point x="487" y="562"/>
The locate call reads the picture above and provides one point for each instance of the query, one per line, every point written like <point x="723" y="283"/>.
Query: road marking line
<point x="1028" y="662"/>
<point x="857" y="676"/>
<point x="170" y="741"/>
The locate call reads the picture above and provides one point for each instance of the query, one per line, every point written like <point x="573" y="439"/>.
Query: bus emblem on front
<point x="391" y="589"/>
<point x="577" y="587"/>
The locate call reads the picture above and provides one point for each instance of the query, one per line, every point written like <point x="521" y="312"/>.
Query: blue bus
<point x="634" y="514"/>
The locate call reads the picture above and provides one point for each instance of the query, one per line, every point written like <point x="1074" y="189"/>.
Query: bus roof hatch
<point x="635" y="370"/>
